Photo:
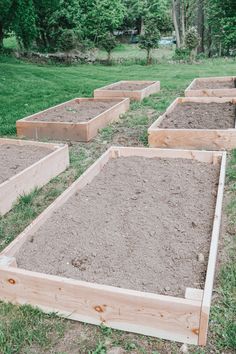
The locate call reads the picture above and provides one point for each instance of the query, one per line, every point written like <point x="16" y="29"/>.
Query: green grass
<point x="24" y="326"/>
<point x="27" y="88"/>
<point x="131" y="52"/>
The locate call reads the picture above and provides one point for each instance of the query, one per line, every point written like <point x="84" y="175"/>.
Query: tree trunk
<point x="177" y="34"/>
<point x="200" y="25"/>
<point x="109" y="57"/>
<point x="142" y="30"/>
<point x="149" y="58"/>
<point x="209" y="42"/>
<point x="183" y="21"/>
<point x="1" y="36"/>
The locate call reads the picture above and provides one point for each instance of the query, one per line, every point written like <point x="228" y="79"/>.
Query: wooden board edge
<point x="145" y="313"/>
<point x="209" y="281"/>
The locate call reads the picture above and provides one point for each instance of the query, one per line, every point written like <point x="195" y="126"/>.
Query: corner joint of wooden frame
<point x="6" y="261"/>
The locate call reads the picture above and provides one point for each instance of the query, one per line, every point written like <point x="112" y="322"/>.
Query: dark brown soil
<point x="15" y="158"/>
<point x="213" y="85"/>
<point x="140" y="224"/>
<point x="191" y="115"/>
<point x="75" y="111"/>
<point x="129" y="86"/>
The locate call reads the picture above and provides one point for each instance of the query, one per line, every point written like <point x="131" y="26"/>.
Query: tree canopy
<point x="44" y="24"/>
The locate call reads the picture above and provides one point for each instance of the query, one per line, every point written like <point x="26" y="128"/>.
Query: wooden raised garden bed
<point x="77" y="120"/>
<point x="135" y="90"/>
<point x="212" y="87"/>
<point x="27" y="165"/>
<point x="196" y="123"/>
<point x="113" y="256"/>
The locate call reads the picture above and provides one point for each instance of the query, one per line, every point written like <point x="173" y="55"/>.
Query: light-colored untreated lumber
<point x="136" y="95"/>
<point x="133" y="311"/>
<point x="191" y="91"/>
<point x="6" y="261"/>
<point x="36" y="175"/>
<point x="81" y="131"/>
<point x="193" y="294"/>
<point x="180" y="319"/>
<point x="202" y="139"/>
<point x="209" y="282"/>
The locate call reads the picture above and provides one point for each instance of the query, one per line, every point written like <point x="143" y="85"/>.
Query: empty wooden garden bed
<point x="77" y="120"/>
<point x="110" y="259"/>
<point x="135" y="90"/>
<point x="26" y="165"/>
<point x="212" y="87"/>
<point x="196" y="123"/>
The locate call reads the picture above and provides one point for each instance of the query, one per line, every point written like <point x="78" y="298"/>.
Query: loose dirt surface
<point x="15" y="158"/>
<point x="75" y="112"/>
<point x="130" y="86"/>
<point x="192" y="115"/>
<point x="139" y="220"/>
<point x="213" y="85"/>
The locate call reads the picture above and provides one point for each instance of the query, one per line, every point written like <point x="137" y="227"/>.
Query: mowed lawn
<point x="26" y="88"/>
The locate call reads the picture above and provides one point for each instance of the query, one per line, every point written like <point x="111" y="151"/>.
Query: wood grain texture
<point x="133" y="311"/>
<point x="209" y="282"/>
<point x="36" y="175"/>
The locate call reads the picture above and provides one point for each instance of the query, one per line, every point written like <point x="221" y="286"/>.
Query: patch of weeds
<point x="135" y="120"/>
<point x="144" y="138"/>
<point x="223" y="312"/>
<point x="24" y="326"/>
<point x="106" y="331"/>
<point x="231" y="168"/>
<point x="80" y="160"/>
<point x="231" y="211"/>
<point x="26" y="199"/>
<point x="107" y="133"/>
<point x="100" y="349"/>
<point x="135" y="105"/>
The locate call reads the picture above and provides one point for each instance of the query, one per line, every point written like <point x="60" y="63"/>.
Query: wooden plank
<point x="36" y="175"/>
<point x="205" y="139"/>
<point x="7" y="261"/>
<point x="194" y="294"/>
<point x="81" y="131"/>
<point x="137" y="95"/>
<point x="155" y="315"/>
<point x="203" y="156"/>
<point x="209" y="282"/>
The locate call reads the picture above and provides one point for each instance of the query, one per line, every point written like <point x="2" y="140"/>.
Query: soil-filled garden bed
<point x="212" y="87"/>
<point x="217" y="84"/>
<point x="25" y="165"/>
<point x="151" y="223"/>
<point x="130" y="86"/>
<point x="135" y="90"/>
<point x="139" y="222"/>
<point x="78" y="119"/>
<point x="75" y="112"/>
<point x="195" y="115"/>
<point x="15" y="158"/>
<point x="196" y="123"/>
